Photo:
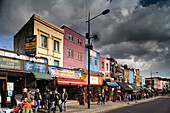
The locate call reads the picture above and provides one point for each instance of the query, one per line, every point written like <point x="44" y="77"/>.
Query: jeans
<point x="98" y="101"/>
<point x="38" y="106"/>
<point x="65" y="106"/>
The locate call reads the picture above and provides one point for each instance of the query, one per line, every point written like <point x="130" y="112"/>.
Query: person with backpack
<point x="37" y="98"/>
<point x="57" y="98"/>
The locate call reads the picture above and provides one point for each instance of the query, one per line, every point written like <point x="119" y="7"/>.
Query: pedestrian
<point x="99" y="98"/>
<point x="37" y="98"/>
<point x="46" y="98"/>
<point x="51" y="102"/>
<point x="130" y="97"/>
<point x="57" y="98"/>
<point x="26" y="105"/>
<point x="24" y="95"/>
<point x="103" y="98"/>
<point x="30" y="98"/>
<point x="64" y="99"/>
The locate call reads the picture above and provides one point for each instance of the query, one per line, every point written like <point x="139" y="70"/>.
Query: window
<point x="79" y="41"/>
<point x="102" y="65"/>
<point x="107" y="66"/>
<point x="70" y="37"/>
<point x="56" y="63"/>
<point x="79" y="56"/>
<point x="95" y="61"/>
<point x="43" y="41"/>
<point x="90" y="59"/>
<point x="70" y="53"/>
<point x="56" y="45"/>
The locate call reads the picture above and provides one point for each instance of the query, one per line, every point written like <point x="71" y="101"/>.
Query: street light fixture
<point x="151" y="79"/>
<point x="88" y="37"/>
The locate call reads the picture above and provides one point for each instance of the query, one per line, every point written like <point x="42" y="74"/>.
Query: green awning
<point x="142" y="87"/>
<point x="137" y="88"/>
<point x="42" y="76"/>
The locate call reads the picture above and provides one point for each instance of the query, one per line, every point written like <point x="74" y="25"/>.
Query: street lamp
<point x="151" y="79"/>
<point x="88" y="37"/>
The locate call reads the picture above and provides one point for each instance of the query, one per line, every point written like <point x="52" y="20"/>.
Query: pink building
<point x="74" y="49"/>
<point x="102" y="65"/>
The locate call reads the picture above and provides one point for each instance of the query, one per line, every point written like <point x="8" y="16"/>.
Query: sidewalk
<point x="74" y="107"/>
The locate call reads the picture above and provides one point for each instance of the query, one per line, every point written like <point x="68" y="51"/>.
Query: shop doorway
<point x="3" y="92"/>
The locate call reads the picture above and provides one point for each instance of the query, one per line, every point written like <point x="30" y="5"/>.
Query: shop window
<point x="79" y="41"/>
<point x="79" y="56"/>
<point x="56" y="46"/>
<point x="71" y="37"/>
<point x="43" y="41"/>
<point x="56" y="63"/>
<point x="95" y="61"/>
<point x="102" y="65"/>
<point x="70" y="53"/>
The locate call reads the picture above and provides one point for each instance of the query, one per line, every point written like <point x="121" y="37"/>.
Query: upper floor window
<point x="102" y="65"/>
<point x="70" y="53"/>
<point x="79" y="56"/>
<point x="56" y="45"/>
<point x="95" y="61"/>
<point x="71" y="37"/>
<point x="79" y="41"/>
<point x="107" y="67"/>
<point x="90" y="59"/>
<point x="56" y="63"/>
<point x="43" y="41"/>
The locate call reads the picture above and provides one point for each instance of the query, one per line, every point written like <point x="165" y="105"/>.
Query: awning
<point x="132" y="87"/>
<point x="137" y="88"/>
<point x="112" y="83"/>
<point x="42" y="76"/>
<point x="125" y="86"/>
<point x="67" y="81"/>
<point x="142" y="87"/>
<point x="147" y="89"/>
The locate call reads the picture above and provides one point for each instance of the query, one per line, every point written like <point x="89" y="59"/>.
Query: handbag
<point x="34" y="103"/>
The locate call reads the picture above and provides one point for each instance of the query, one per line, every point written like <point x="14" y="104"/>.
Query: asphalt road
<point x="160" y="105"/>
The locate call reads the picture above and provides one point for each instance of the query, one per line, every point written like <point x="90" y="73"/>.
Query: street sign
<point x="30" y="45"/>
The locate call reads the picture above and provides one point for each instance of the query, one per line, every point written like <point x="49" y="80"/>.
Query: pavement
<point x="74" y="107"/>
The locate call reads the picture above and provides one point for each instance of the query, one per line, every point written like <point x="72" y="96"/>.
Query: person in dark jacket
<point x="64" y="99"/>
<point x="103" y="98"/>
<point x="51" y="102"/>
<point x="38" y="98"/>
<point x="57" y="98"/>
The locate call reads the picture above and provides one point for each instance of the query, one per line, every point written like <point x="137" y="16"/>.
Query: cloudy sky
<point x="135" y="32"/>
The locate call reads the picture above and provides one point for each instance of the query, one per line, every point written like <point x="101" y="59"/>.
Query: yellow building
<point x="49" y="40"/>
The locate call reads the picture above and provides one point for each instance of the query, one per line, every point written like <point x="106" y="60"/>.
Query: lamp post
<point x="151" y="79"/>
<point x="88" y="37"/>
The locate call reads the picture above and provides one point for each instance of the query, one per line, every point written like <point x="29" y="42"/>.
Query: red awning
<point x="67" y="81"/>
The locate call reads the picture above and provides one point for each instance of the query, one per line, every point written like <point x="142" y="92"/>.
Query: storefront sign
<point x="23" y="57"/>
<point x="93" y="80"/>
<point x="130" y="77"/>
<point x="59" y="72"/>
<point x="30" y="45"/>
<point x="35" y="67"/>
<point x="10" y="63"/>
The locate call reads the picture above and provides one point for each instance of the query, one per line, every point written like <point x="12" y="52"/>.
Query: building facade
<point x="74" y="49"/>
<point x="102" y="65"/>
<point x="94" y="60"/>
<point x="49" y="40"/>
<point x="107" y="68"/>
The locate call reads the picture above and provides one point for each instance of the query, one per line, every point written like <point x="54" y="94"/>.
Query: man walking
<point x="64" y="99"/>
<point x="57" y="98"/>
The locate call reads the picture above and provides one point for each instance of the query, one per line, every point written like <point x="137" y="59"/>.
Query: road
<point x="160" y="105"/>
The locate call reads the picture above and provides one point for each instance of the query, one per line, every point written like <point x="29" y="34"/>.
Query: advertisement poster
<point x="60" y="72"/>
<point x="130" y="76"/>
<point x="10" y="93"/>
<point x="10" y="86"/>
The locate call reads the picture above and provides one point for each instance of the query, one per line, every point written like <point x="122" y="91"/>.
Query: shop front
<point x="70" y="80"/>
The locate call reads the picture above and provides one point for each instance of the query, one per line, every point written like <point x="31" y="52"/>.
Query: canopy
<point x="142" y="87"/>
<point x="137" y="88"/>
<point x="68" y="81"/>
<point x="42" y="76"/>
<point x="125" y="86"/>
<point x="147" y="89"/>
<point x="112" y="83"/>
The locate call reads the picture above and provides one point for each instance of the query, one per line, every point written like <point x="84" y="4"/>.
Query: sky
<point x="135" y="32"/>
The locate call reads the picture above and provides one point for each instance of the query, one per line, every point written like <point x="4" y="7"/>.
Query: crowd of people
<point x="31" y="100"/>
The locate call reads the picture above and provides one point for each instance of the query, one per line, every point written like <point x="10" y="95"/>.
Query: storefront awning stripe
<point x="66" y="81"/>
<point x="42" y="76"/>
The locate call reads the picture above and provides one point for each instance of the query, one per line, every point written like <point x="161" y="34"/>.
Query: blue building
<point x="94" y="59"/>
<point x="130" y="76"/>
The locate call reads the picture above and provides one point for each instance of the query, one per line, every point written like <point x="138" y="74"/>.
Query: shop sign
<point x="93" y="80"/>
<point x="35" y="67"/>
<point x="59" y="72"/>
<point x="10" y="63"/>
<point x="130" y="76"/>
<point x="22" y="57"/>
<point x="30" y="45"/>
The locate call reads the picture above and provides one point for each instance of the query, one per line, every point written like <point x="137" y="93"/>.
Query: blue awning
<point x="147" y="89"/>
<point x="112" y="83"/>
